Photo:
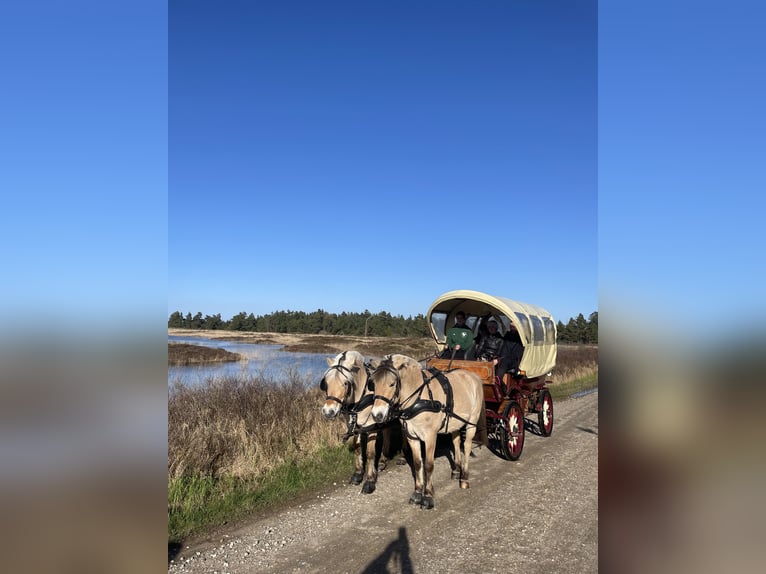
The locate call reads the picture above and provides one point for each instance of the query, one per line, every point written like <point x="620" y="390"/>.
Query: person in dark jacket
<point x="515" y="348"/>
<point x="493" y="348"/>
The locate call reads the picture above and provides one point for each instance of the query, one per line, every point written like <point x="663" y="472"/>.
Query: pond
<point x="264" y="361"/>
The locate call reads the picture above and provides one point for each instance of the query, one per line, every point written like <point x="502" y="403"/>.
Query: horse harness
<point x="430" y="405"/>
<point x="351" y="410"/>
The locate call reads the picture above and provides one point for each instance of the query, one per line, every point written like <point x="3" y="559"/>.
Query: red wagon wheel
<point x="512" y="431"/>
<point x="545" y="413"/>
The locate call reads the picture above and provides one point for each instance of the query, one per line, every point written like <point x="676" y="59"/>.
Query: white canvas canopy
<point x="534" y="324"/>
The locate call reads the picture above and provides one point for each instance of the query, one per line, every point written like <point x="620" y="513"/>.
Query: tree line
<point x="383" y="324"/>
<point x="579" y="330"/>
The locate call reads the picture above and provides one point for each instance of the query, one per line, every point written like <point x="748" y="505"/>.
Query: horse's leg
<point x="457" y="464"/>
<point x="356" y="478"/>
<point x="470" y="431"/>
<point x="403" y="455"/>
<point x="371" y="474"/>
<point x="417" y="469"/>
<point x="428" y="492"/>
<point x="386" y="449"/>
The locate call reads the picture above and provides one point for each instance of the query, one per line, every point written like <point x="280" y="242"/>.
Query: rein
<point x="352" y="410"/>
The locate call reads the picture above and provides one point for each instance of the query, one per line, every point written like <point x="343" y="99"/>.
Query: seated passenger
<point x="515" y="348"/>
<point x="459" y="339"/>
<point x="512" y="334"/>
<point x="493" y="348"/>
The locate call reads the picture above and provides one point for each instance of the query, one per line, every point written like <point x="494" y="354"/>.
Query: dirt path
<point x="539" y="513"/>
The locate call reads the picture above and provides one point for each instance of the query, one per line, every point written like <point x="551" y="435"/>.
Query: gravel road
<point x="539" y="513"/>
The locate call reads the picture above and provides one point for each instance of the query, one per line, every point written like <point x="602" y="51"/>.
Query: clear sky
<point x="351" y="156"/>
<point x="83" y="163"/>
<point x="682" y="164"/>
<point x="373" y="155"/>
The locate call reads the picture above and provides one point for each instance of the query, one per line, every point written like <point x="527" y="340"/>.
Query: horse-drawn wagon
<point x="464" y="398"/>
<point x="519" y="392"/>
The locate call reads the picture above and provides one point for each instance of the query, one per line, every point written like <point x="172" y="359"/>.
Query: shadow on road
<point x="174" y="548"/>
<point x="395" y="558"/>
<point x="533" y="427"/>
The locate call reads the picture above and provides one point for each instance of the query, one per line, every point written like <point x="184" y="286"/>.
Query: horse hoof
<point x="464" y="484"/>
<point x="427" y="502"/>
<point x="455" y="474"/>
<point x="416" y="498"/>
<point x="382" y="464"/>
<point x="401" y="461"/>
<point x="356" y="478"/>
<point x="368" y="487"/>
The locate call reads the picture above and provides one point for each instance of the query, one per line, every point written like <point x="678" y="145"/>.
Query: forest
<point x="576" y="330"/>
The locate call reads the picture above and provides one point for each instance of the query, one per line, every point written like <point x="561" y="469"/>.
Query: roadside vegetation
<point x="185" y="354"/>
<point x="239" y="445"/>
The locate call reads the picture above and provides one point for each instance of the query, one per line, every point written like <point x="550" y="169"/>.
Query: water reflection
<point x="264" y="361"/>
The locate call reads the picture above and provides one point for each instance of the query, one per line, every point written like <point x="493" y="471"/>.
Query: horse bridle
<point x="394" y="371"/>
<point x="348" y="383"/>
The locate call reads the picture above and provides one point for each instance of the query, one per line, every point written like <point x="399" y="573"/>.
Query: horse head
<point x="342" y="382"/>
<point x="386" y="381"/>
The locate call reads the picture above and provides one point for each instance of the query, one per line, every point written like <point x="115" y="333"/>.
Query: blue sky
<point x="83" y="163"/>
<point x="682" y="149"/>
<point x="293" y="157"/>
<point x="350" y="156"/>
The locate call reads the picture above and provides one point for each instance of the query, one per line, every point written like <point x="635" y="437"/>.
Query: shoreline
<point x="416" y="347"/>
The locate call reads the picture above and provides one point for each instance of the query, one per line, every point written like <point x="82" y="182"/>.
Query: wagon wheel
<point x="545" y="413"/>
<point x="512" y="431"/>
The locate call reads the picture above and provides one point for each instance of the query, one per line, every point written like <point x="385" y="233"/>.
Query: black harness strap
<point x="430" y="405"/>
<point x="391" y="369"/>
<point x="355" y="430"/>
<point x="352" y="411"/>
<point x="446" y="387"/>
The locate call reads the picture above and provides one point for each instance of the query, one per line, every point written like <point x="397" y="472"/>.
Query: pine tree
<point x="176" y="320"/>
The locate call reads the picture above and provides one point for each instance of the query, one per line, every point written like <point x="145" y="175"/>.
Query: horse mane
<point x="404" y="361"/>
<point x="388" y="361"/>
<point x="343" y="357"/>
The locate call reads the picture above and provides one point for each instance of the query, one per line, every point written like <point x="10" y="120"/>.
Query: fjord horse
<point x="428" y="403"/>
<point x="345" y="387"/>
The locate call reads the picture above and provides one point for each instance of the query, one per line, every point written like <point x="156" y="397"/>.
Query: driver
<point x="459" y="338"/>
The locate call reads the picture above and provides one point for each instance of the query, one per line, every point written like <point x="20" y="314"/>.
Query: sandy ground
<point x="270" y="338"/>
<point x="539" y="513"/>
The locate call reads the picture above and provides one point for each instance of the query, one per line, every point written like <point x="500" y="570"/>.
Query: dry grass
<point x="244" y="427"/>
<point x="185" y="354"/>
<point x="575" y="362"/>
